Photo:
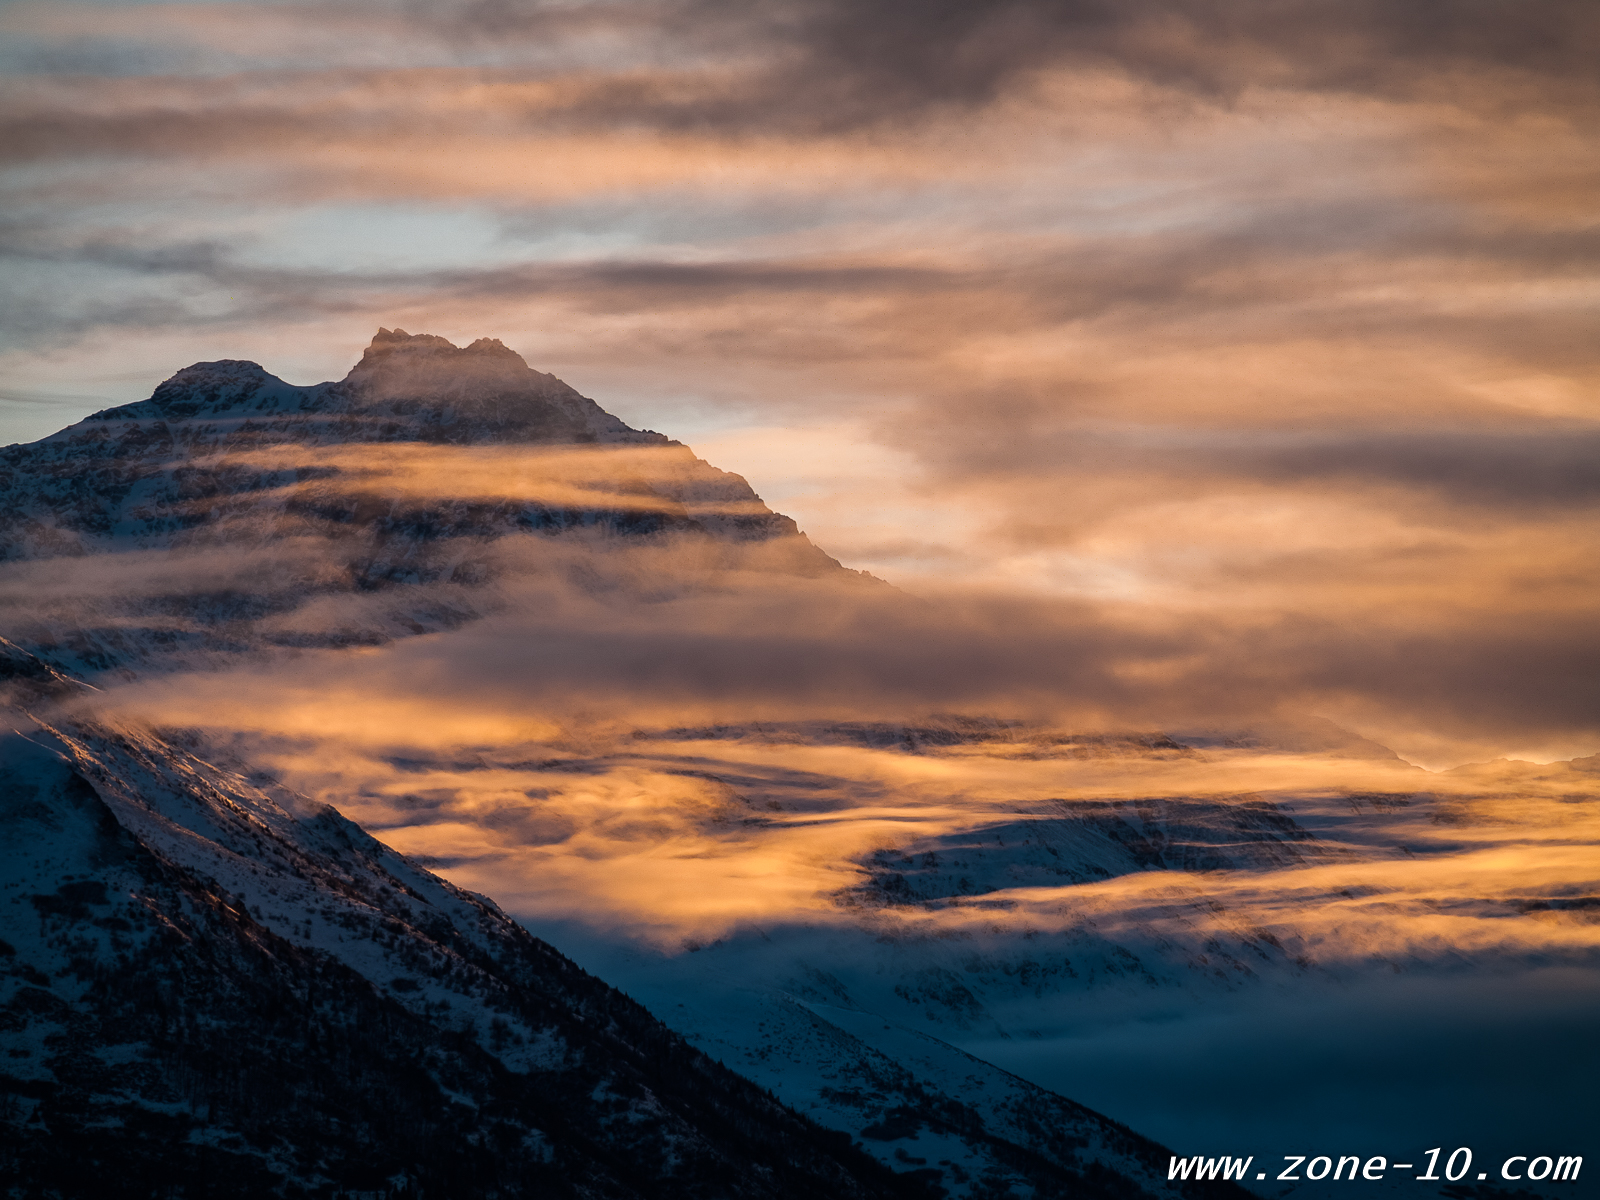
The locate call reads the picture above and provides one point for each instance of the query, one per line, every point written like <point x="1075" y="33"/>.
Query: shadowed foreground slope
<point x="204" y="990"/>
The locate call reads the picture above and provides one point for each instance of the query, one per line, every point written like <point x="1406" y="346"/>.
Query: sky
<point x="1182" y="363"/>
<point x="1267" y="325"/>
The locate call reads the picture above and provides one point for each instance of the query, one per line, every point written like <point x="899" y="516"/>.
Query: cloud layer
<point x="1264" y="330"/>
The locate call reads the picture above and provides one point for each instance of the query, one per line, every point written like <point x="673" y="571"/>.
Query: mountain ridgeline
<point x="207" y="989"/>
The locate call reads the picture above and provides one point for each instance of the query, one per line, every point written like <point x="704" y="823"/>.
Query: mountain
<point x="922" y="934"/>
<point x="231" y="510"/>
<point x="217" y="986"/>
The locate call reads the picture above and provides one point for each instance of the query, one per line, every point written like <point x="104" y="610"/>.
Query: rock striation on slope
<point x="203" y="518"/>
<point x="210" y="987"/>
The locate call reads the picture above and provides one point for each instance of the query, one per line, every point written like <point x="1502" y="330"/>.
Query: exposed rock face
<point x="233" y="498"/>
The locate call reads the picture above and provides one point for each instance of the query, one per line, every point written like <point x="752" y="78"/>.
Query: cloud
<point x="826" y="64"/>
<point x="1244" y="346"/>
<point x="683" y="629"/>
<point x="1502" y="470"/>
<point x="671" y="769"/>
<point x="624" y="479"/>
<point x="968" y="53"/>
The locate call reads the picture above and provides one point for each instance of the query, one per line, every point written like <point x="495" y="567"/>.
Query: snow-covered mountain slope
<point x="219" y="514"/>
<point x="192" y="960"/>
<point x="206" y="986"/>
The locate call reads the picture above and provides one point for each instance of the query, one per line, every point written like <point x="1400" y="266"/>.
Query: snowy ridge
<point x="182" y="948"/>
<point x="917" y="1103"/>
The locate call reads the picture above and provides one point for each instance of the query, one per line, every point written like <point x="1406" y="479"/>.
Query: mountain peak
<point x="389" y="339"/>
<point x="415" y="366"/>
<point x="399" y="337"/>
<point x="406" y="387"/>
<point x="390" y="343"/>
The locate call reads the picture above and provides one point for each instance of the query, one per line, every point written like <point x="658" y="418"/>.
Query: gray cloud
<point x="966" y="52"/>
<point x="809" y="67"/>
<point x="1516" y="468"/>
<point x="1506" y="469"/>
<point x="833" y="64"/>
<point x="776" y="648"/>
